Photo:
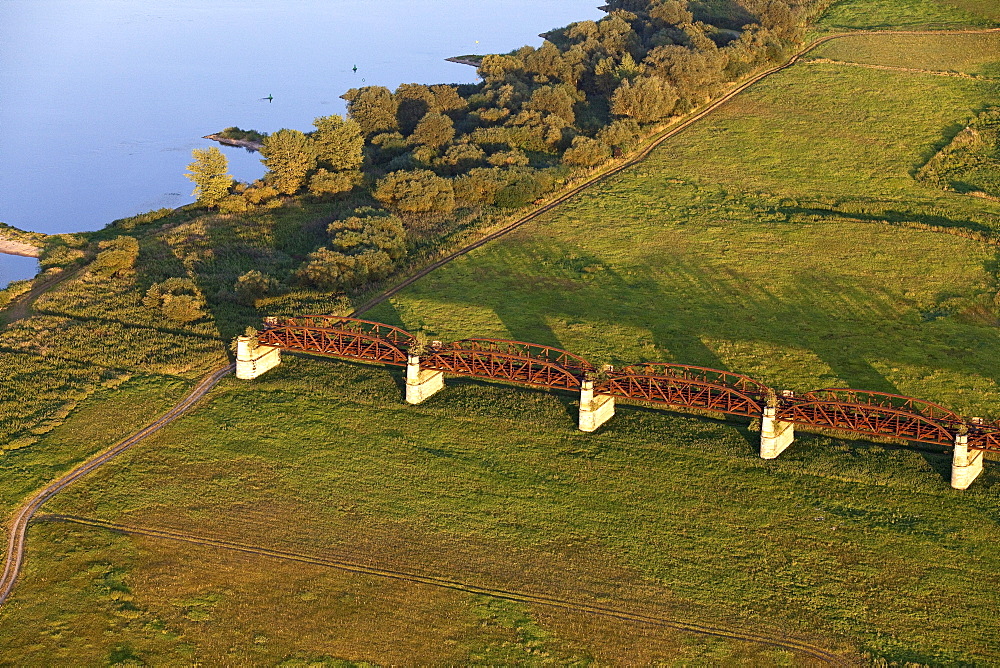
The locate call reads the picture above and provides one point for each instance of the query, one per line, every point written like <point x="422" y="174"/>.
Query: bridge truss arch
<point x="510" y="361"/>
<point x="336" y="336"/>
<point x="687" y="386"/>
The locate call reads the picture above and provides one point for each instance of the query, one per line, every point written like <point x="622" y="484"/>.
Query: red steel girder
<point x="562" y="358"/>
<point x="898" y="402"/>
<point x="395" y="335"/>
<point x="985" y="437"/>
<point x="334" y="343"/>
<point x="866" y="419"/>
<point x="680" y="392"/>
<point x="496" y="365"/>
<point x="736" y="381"/>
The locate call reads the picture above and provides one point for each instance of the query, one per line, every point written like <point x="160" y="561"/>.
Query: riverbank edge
<point x="14" y="241"/>
<point x="474" y="61"/>
<point x="240" y="143"/>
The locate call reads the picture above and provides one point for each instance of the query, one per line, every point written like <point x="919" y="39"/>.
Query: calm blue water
<point x="101" y="101"/>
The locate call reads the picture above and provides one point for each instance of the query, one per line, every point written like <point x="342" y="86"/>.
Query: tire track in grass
<point x="783" y="642"/>
<point x="19" y="524"/>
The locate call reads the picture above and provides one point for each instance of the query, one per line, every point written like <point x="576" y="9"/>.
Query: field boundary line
<point x="783" y="642"/>
<point x="894" y="68"/>
<point x="19" y="524"/>
<point x="641" y="155"/>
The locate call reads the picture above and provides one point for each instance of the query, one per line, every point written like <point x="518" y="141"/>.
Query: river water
<point x="102" y="101"/>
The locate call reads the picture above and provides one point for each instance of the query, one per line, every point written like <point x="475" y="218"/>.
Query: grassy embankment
<point x="782" y="238"/>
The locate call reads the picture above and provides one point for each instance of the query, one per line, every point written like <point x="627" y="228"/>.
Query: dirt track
<point x="19" y="525"/>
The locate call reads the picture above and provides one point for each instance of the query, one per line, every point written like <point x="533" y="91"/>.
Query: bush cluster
<point x="362" y="247"/>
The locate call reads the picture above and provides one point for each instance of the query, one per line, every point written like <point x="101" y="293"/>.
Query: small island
<point x="470" y="59"/>
<point x="251" y="140"/>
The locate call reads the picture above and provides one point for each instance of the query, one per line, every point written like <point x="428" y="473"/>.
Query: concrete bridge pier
<point x="966" y="465"/>
<point x="421" y="385"/>
<point x="775" y="435"/>
<point x="595" y="410"/>
<point x="253" y="359"/>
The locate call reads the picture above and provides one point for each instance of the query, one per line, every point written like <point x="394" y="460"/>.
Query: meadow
<point x="844" y="15"/>
<point x="855" y="547"/>
<point x="784" y="236"/>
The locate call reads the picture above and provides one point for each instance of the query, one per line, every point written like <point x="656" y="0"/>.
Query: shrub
<point x="363" y="247"/>
<point x="253" y="285"/>
<point x="117" y="257"/>
<point x="623" y="133"/>
<point x="524" y="189"/>
<point x="513" y="158"/>
<point x="462" y="157"/>
<point x="479" y="187"/>
<point x="260" y="194"/>
<point x="235" y="203"/>
<point x="324" y="182"/>
<point x="586" y="152"/>
<point x="419" y="191"/>
<point x="177" y="298"/>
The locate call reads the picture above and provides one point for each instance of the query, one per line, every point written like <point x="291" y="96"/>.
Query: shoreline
<point x="474" y="61"/>
<point x="8" y="247"/>
<point x="240" y="143"/>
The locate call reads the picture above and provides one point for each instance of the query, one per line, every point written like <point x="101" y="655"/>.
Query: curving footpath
<point x="19" y="525"/>
<point x="643" y="154"/>
<point x="782" y="642"/>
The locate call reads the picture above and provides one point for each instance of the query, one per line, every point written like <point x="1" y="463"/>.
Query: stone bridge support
<point x="595" y="409"/>
<point x="966" y="465"/>
<point x="421" y="385"/>
<point x="775" y="435"/>
<point x="253" y="360"/>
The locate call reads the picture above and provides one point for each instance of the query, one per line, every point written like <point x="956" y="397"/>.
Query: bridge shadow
<point x="799" y="330"/>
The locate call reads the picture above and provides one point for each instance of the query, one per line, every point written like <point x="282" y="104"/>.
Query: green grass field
<point x="784" y="236"/>
<point x="969" y="54"/>
<point x="844" y="15"/>
<point x="851" y="546"/>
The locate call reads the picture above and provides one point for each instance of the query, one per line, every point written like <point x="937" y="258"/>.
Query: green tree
<point x="434" y="130"/>
<point x="420" y="191"/>
<point x="288" y="155"/>
<point x="647" y="99"/>
<point x="586" y="152"/>
<point x="209" y="173"/>
<point x="556" y="100"/>
<point x="413" y="102"/>
<point x="338" y="142"/>
<point x="373" y="107"/>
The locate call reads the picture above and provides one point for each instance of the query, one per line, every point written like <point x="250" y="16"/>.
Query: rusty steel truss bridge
<point x="677" y="386"/>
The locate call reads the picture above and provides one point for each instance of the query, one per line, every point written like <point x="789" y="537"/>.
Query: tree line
<point x="591" y="91"/>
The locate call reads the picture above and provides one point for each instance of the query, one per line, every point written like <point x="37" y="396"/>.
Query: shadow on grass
<point x="890" y="216"/>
